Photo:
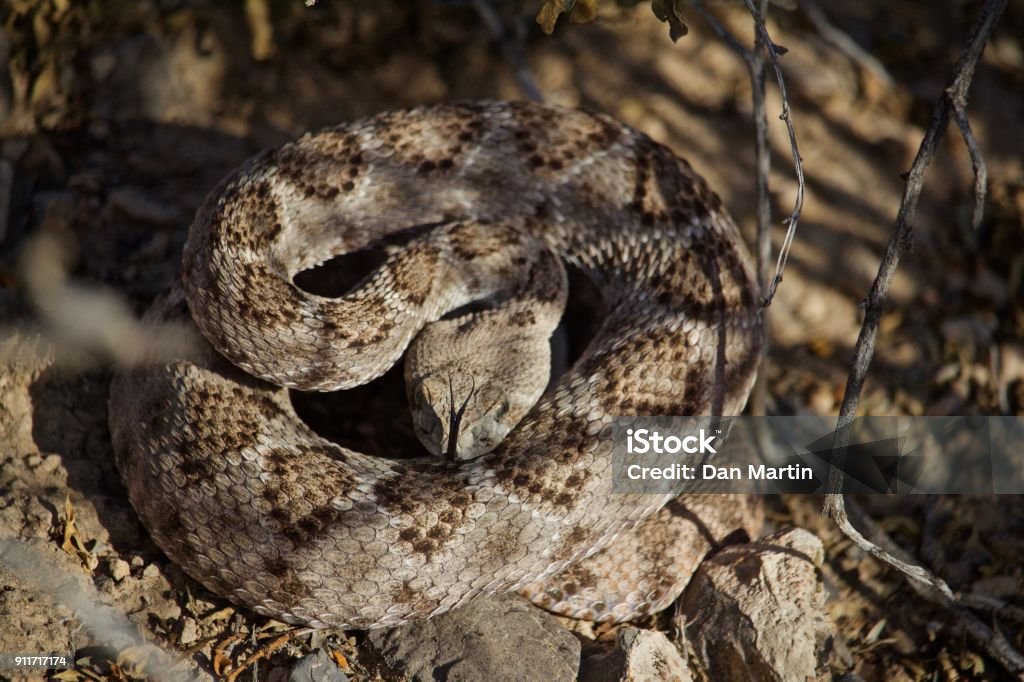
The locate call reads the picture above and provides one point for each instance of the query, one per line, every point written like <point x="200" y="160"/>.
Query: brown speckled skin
<point x="250" y="502"/>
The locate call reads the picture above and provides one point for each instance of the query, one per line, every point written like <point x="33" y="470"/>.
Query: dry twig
<point x="755" y="61"/>
<point x="763" y="161"/>
<point x="882" y="547"/>
<point x="989" y="638"/>
<point x="230" y="673"/>
<point x="958" y="103"/>
<point x="773" y="52"/>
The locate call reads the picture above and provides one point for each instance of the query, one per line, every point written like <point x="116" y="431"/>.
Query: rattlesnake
<point x="471" y="201"/>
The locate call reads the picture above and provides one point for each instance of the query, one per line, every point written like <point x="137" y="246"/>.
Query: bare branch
<point x="755" y="64"/>
<point x="887" y="551"/>
<point x="762" y="156"/>
<point x="763" y="161"/>
<point x="83" y="325"/>
<point x="880" y="546"/>
<point x="74" y="591"/>
<point x="996" y="606"/>
<point x="773" y="56"/>
<point x="902" y="233"/>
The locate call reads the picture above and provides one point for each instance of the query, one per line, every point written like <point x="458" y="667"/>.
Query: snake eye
<point x="423" y="399"/>
<point x="423" y="396"/>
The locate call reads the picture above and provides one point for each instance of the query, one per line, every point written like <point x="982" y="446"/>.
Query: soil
<point x="116" y="119"/>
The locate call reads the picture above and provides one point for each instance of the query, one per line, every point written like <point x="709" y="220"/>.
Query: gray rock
<point x="316" y="667"/>
<point x="757" y="611"/>
<point x="502" y="638"/>
<point x="639" y="656"/>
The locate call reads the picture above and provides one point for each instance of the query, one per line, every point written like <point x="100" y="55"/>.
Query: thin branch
<point x="755" y="62"/>
<point x="997" y="607"/>
<point x="762" y="155"/>
<point x="990" y="639"/>
<point x="929" y="585"/>
<point x="511" y="49"/>
<point x="773" y="56"/>
<point x="977" y="160"/>
<point x="887" y="551"/>
<point x="763" y="41"/>
<point x="763" y="161"/>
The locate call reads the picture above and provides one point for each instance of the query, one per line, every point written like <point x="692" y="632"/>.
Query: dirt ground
<point x="116" y="118"/>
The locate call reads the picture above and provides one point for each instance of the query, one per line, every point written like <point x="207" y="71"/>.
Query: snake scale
<point x="473" y="202"/>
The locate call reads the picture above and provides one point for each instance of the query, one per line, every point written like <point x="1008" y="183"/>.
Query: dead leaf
<point x="341" y="661"/>
<point x="73" y="543"/>
<point x="580" y="12"/>
<point x="221" y="659"/>
<point x="669" y="11"/>
<point x="265" y="651"/>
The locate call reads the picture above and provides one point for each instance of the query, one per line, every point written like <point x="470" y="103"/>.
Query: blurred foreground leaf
<point x="671" y="12"/>
<point x="580" y="11"/>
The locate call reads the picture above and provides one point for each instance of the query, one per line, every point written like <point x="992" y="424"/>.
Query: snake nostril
<point x="501" y="407"/>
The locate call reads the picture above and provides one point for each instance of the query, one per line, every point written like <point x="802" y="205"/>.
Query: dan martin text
<point x="710" y="472"/>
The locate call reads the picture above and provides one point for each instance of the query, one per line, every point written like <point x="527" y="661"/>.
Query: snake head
<point x="457" y="418"/>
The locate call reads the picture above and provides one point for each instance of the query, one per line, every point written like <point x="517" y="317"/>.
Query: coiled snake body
<point x="491" y="198"/>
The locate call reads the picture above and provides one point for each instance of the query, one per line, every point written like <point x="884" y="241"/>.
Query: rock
<point x="639" y="656"/>
<point x="189" y="631"/>
<point x="502" y="638"/>
<point x="757" y="611"/>
<point x="316" y="667"/>
<point x="119" y="569"/>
